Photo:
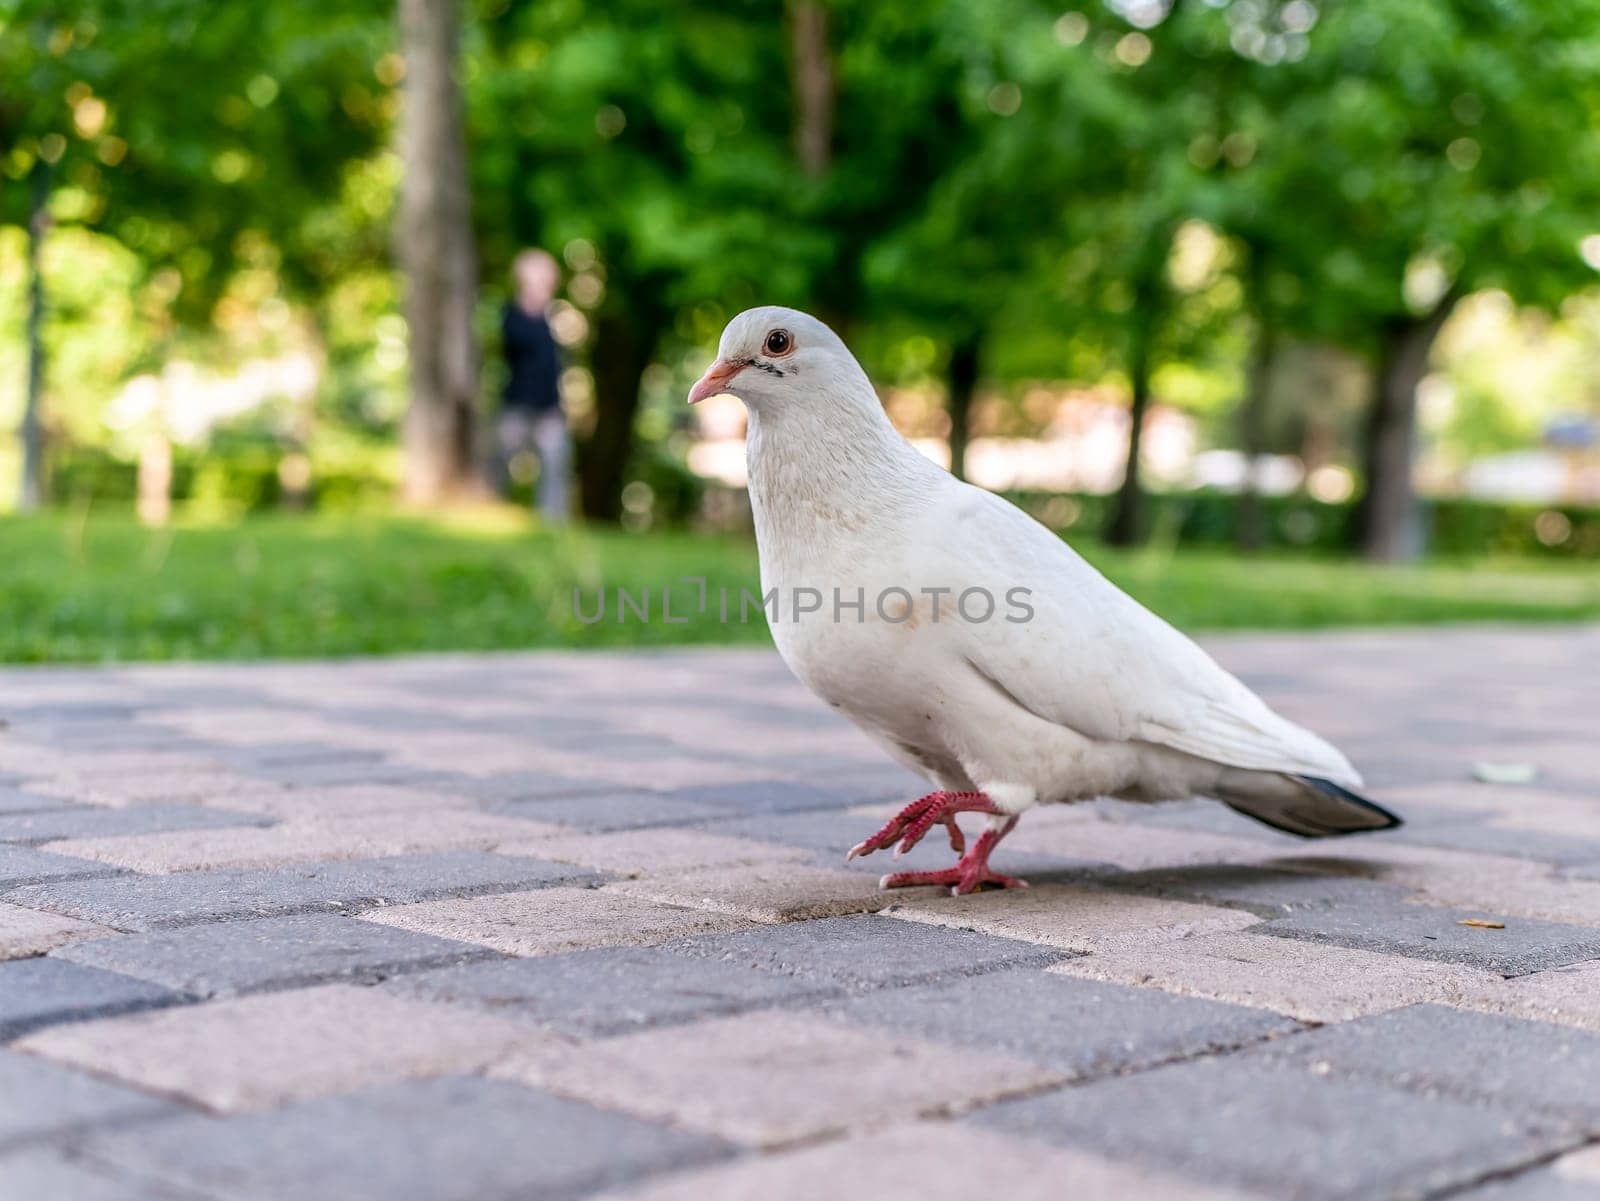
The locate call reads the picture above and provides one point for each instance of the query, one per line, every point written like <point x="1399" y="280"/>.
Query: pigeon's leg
<point x="968" y="875"/>
<point x="909" y="825"/>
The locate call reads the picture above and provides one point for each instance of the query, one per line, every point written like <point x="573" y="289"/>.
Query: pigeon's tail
<point x="1305" y="805"/>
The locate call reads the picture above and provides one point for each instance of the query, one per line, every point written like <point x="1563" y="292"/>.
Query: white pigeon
<point x="971" y="642"/>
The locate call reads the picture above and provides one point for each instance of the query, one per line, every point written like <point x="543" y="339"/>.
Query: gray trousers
<point x="546" y="435"/>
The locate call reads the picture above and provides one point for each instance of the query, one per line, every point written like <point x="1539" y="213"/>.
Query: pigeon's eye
<point x="779" y="342"/>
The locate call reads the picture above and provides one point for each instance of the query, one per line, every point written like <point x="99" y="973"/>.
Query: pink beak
<point x="715" y="381"/>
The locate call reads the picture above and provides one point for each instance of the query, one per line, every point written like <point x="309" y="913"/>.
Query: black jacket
<point x="533" y="382"/>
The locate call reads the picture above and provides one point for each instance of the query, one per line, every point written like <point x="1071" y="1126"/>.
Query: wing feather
<point x="1093" y="659"/>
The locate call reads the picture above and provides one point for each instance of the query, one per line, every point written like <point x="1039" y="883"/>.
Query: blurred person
<point x="531" y="414"/>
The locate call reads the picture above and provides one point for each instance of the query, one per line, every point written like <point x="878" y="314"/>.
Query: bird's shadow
<point x="1270" y="887"/>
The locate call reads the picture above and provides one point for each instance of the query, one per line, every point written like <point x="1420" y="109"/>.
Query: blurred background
<point x="1285" y="314"/>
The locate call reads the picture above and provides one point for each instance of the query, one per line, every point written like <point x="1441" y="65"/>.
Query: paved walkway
<point x="543" y="927"/>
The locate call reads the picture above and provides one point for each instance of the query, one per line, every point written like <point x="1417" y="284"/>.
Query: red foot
<point x="917" y="818"/>
<point x="967" y="876"/>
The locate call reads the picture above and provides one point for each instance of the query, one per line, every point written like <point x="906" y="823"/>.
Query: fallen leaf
<point x="1505" y="773"/>
<point x="1481" y="924"/>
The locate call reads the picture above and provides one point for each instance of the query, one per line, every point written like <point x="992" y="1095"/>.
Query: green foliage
<point x="192" y="132"/>
<point x="1060" y="186"/>
<point x="1414" y="148"/>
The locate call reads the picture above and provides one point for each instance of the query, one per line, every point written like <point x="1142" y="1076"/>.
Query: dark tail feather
<point x="1312" y="807"/>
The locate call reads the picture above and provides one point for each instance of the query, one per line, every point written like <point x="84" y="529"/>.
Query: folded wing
<point x="1093" y="659"/>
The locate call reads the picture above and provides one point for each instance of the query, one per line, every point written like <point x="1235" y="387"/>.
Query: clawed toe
<point x="959" y="881"/>
<point x="969" y="875"/>
<point x="914" y="821"/>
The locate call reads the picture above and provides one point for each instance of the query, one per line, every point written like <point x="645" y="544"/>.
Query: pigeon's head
<point x="776" y="356"/>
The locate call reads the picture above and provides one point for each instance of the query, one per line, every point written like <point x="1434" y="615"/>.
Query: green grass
<point x="78" y="588"/>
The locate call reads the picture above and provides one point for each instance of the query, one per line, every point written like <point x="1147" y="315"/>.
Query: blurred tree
<point x="436" y="252"/>
<point x="205" y="140"/>
<point x="811" y="75"/>
<point x="1012" y="182"/>
<point x="33" y="486"/>
<point x="1010" y="185"/>
<point x="1403" y="157"/>
<point x="656" y="157"/>
<point x="1154" y="59"/>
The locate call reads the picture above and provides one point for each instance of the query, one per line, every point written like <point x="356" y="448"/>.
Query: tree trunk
<point x="33" y="489"/>
<point x="1253" y="436"/>
<point x="1389" y="525"/>
<point x="438" y="259"/>
<point x="1127" y="517"/>
<point x="963" y="379"/>
<point x="624" y="343"/>
<point x="811" y="80"/>
<point x="154" y="503"/>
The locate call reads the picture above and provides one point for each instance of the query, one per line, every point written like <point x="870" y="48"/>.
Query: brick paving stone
<point x="1314" y="982"/>
<point x="1269" y="891"/>
<point x="872" y="778"/>
<point x="1580" y="1165"/>
<point x="1560" y="762"/>
<point x="1527" y="1065"/>
<point x="1135" y="847"/>
<point x="352" y="800"/>
<point x="25" y="932"/>
<point x="133" y="902"/>
<point x="1079" y="1028"/>
<point x="21" y="760"/>
<point x="39" y="1099"/>
<point x="297" y="842"/>
<point x="48" y="1174"/>
<point x="606" y="811"/>
<point x="1474" y="797"/>
<point x="1068" y="917"/>
<point x="510" y="788"/>
<point x="78" y="765"/>
<point x="229" y="958"/>
<point x="97" y="821"/>
<point x="1491" y="883"/>
<point x="1283" y="1131"/>
<point x="607" y="991"/>
<point x="1434" y="932"/>
<point x="1535" y="1184"/>
<point x="1140" y="920"/>
<point x="552" y="920"/>
<point x="782" y="796"/>
<point x="772" y="1078"/>
<point x="254" y="1052"/>
<point x="639" y="852"/>
<point x="1570" y="996"/>
<point x="124" y="788"/>
<point x="864" y="952"/>
<point x="14" y="799"/>
<point x="43" y="991"/>
<point x="450" y="1139"/>
<point x="1563" y="848"/>
<point x="61" y="742"/>
<point x="275" y="755"/>
<point x="764" y="892"/>
<point x="484" y="757"/>
<point x="341" y="773"/>
<point x="931" y="1161"/>
<point x="25" y="865"/>
<point x="1202" y="817"/>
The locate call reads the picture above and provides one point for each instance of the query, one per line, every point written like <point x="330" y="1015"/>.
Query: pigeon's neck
<point x="825" y="470"/>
